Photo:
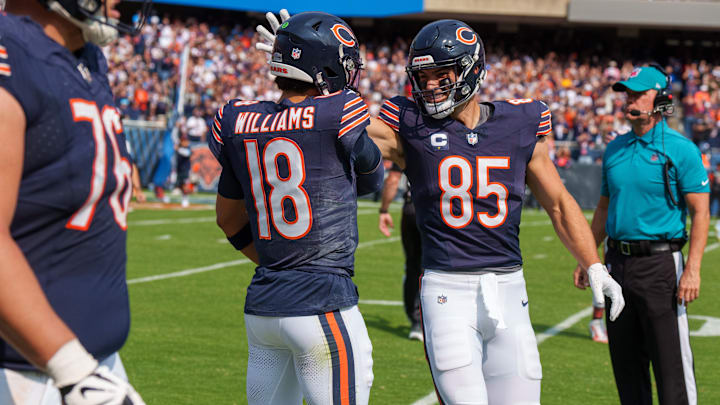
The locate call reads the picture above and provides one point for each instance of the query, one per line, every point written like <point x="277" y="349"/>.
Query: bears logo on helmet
<point x="330" y="54"/>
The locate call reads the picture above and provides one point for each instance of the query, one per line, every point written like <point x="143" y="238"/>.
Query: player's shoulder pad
<point x="23" y="35"/>
<point x="534" y="112"/>
<point x="217" y="125"/>
<point x="393" y="109"/>
<point x="355" y="113"/>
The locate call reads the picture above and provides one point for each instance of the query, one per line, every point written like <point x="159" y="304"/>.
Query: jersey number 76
<point x="281" y="188"/>
<point x="103" y="124"/>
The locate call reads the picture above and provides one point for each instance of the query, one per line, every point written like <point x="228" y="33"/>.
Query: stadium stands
<point x="572" y="80"/>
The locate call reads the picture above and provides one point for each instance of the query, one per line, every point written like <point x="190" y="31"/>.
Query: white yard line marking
<point x="188" y="272"/>
<point x="431" y="398"/>
<point x="171" y="221"/>
<point x="381" y="302"/>
<point x="567" y="323"/>
<point x="223" y="265"/>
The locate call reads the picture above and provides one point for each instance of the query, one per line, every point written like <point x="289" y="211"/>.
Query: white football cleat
<point x="416" y="332"/>
<point x="598" y="332"/>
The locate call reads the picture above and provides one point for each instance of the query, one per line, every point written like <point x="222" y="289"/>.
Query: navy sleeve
<point x="545" y="124"/>
<point x="215" y="141"/>
<point x="17" y="74"/>
<point x="353" y="121"/>
<point x="229" y="186"/>
<point x="367" y="161"/>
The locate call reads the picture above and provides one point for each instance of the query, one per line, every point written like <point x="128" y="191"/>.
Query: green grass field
<point x="188" y="346"/>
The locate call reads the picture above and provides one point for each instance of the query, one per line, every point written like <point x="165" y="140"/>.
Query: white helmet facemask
<point x="93" y="31"/>
<point x="442" y="109"/>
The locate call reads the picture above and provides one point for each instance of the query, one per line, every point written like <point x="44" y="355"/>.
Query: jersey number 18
<point x="281" y="188"/>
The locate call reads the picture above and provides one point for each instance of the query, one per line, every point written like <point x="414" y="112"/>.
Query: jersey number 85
<point x="461" y="192"/>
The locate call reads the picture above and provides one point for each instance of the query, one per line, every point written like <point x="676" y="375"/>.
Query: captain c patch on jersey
<point x="439" y="141"/>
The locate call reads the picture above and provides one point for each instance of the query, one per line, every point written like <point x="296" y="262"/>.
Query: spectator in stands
<point x="196" y="126"/>
<point x="224" y="64"/>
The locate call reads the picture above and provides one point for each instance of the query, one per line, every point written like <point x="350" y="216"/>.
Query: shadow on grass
<point x="384" y="324"/>
<point x="540" y="328"/>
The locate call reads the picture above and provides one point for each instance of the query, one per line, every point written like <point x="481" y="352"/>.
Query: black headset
<point x="663" y="104"/>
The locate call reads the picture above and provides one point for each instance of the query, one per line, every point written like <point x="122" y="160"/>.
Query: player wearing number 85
<point x="287" y="198"/>
<point x="65" y="177"/>
<point x="468" y="183"/>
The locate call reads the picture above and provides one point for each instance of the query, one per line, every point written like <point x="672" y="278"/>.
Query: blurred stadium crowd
<point x="224" y="64"/>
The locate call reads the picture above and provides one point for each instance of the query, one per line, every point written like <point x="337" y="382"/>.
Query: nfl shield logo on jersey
<point x="296" y="53"/>
<point x="442" y="299"/>
<point x="472" y="138"/>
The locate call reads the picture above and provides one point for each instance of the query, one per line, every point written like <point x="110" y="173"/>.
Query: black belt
<point x="645" y="247"/>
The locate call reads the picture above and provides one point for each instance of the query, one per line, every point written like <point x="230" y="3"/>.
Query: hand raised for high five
<point x="267" y="37"/>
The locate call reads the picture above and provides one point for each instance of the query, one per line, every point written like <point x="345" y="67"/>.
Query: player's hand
<point x="580" y="278"/>
<point x="267" y="38"/>
<point x="101" y="387"/>
<point x="601" y="284"/>
<point x="688" y="286"/>
<point x="385" y="223"/>
<point x="139" y="195"/>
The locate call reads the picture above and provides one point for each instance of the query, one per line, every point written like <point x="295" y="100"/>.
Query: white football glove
<point x="81" y="382"/>
<point x="601" y="283"/>
<point x="267" y="36"/>
<point x="101" y="387"/>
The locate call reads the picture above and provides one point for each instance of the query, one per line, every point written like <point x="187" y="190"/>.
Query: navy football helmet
<point x="446" y="43"/>
<point x="318" y="48"/>
<point x="90" y="16"/>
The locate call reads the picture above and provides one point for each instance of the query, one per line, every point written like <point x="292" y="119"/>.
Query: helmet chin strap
<point x="94" y="31"/>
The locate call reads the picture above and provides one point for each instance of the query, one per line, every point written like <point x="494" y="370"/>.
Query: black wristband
<point x="383" y="210"/>
<point x="242" y="239"/>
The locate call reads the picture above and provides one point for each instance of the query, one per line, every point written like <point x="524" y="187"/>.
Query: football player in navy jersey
<point x="287" y="198"/>
<point x="65" y="178"/>
<point x="469" y="163"/>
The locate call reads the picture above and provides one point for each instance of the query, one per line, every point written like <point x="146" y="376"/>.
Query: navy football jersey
<point x="70" y="218"/>
<point x="468" y="184"/>
<point x="291" y="163"/>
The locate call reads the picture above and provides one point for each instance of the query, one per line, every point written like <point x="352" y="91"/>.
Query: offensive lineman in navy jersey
<point x="468" y="164"/>
<point x="287" y="198"/>
<point x="65" y="178"/>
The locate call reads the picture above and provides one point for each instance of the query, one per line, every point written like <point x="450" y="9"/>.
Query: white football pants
<point x="479" y="340"/>
<point x="36" y="388"/>
<point x="326" y="359"/>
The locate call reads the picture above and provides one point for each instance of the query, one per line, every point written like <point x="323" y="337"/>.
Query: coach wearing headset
<point x="652" y="177"/>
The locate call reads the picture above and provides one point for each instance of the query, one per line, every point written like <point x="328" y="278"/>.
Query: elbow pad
<point x="371" y="182"/>
<point x="366" y="156"/>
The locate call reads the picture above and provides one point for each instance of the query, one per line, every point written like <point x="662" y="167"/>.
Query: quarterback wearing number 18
<point x="292" y="171"/>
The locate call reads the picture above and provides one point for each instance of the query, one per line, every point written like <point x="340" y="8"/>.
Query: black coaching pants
<point x="413" y="258"/>
<point x="652" y="329"/>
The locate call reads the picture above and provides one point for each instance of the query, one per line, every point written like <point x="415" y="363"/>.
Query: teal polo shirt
<point x="632" y="179"/>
